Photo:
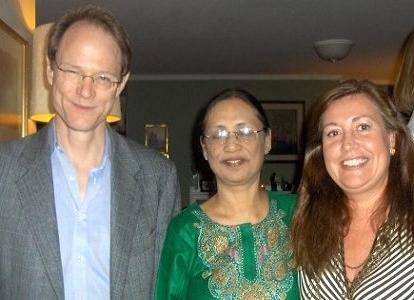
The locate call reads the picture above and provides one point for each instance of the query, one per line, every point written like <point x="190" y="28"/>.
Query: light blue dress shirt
<point x="83" y="225"/>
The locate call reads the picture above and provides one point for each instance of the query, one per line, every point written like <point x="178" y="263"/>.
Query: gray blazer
<point x="145" y="195"/>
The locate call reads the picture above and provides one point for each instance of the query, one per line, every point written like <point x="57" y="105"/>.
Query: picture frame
<point x="156" y="137"/>
<point x="14" y="56"/>
<point x="286" y="120"/>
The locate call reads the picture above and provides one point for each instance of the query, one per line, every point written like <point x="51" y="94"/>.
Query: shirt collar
<point x="54" y="144"/>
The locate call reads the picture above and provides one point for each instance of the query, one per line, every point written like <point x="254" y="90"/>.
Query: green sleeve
<point x="176" y="260"/>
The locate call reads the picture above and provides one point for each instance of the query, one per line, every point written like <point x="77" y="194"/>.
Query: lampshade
<point x="334" y="49"/>
<point x="40" y="108"/>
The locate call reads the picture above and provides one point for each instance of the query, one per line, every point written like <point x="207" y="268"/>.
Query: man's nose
<point x="87" y="88"/>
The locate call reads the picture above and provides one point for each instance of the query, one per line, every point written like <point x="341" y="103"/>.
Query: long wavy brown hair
<point x="322" y="216"/>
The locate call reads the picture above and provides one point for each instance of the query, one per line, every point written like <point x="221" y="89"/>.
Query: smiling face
<point x="356" y="146"/>
<point x="89" y="50"/>
<point x="235" y="162"/>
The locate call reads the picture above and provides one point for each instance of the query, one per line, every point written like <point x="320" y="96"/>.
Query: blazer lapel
<point x="37" y="200"/>
<point x="125" y="202"/>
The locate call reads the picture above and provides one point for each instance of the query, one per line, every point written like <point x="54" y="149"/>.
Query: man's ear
<point x="49" y="71"/>
<point x="122" y="84"/>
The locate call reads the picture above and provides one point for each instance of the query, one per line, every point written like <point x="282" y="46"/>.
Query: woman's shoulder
<point x="186" y="218"/>
<point x="284" y="201"/>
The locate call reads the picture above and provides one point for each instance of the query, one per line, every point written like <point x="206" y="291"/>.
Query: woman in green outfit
<point x="236" y="245"/>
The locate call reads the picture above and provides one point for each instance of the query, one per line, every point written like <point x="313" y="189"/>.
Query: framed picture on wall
<point x="156" y="137"/>
<point x="13" y="84"/>
<point x="286" y="119"/>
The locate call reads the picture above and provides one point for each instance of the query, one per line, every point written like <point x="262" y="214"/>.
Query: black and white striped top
<point x="388" y="274"/>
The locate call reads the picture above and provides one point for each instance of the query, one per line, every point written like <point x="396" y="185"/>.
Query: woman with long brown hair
<point x="354" y="224"/>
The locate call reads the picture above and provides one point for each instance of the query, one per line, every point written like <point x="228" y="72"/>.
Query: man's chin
<point x="83" y="125"/>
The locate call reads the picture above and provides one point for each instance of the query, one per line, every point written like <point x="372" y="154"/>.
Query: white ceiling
<point x="256" y="38"/>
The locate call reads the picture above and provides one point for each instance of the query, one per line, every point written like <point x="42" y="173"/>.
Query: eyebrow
<point x="236" y="125"/>
<point x="80" y="69"/>
<point x="355" y="119"/>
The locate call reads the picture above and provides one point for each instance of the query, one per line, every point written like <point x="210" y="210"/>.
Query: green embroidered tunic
<point x="205" y="260"/>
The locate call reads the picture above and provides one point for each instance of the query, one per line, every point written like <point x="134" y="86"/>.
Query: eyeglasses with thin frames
<point x="100" y="81"/>
<point x="222" y="135"/>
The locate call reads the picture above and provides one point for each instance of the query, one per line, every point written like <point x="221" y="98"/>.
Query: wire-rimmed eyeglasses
<point x="221" y="135"/>
<point x="101" y="81"/>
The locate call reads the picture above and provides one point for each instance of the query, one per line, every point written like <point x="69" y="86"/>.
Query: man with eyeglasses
<point x="83" y="211"/>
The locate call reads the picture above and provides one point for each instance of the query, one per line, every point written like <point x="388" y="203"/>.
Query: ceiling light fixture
<point x="333" y="49"/>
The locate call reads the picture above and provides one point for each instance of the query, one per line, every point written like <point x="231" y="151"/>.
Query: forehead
<point x="232" y="110"/>
<point x="84" y="41"/>
<point x="352" y="106"/>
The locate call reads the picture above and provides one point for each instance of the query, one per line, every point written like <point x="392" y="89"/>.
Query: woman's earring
<point x="392" y="151"/>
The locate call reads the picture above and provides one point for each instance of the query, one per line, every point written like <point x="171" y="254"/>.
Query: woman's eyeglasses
<point x="221" y="135"/>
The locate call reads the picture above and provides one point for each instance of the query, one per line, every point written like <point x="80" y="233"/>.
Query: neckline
<point x="268" y="215"/>
<point x="376" y="255"/>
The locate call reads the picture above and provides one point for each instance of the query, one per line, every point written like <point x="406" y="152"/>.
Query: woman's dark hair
<point x="231" y="94"/>
<point x="95" y="15"/>
<point x="322" y="216"/>
<point x="200" y="124"/>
